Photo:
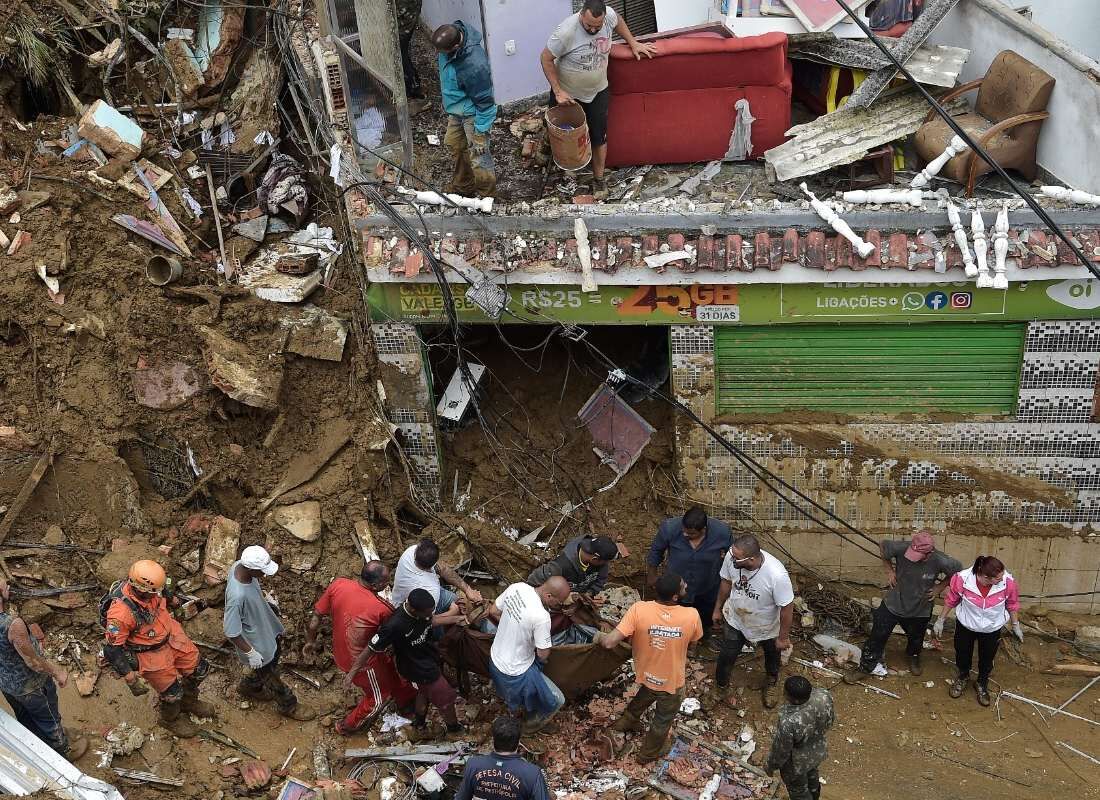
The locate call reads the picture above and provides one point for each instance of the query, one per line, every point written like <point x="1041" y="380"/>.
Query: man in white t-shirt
<point x="420" y="568"/>
<point x="755" y="604"/>
<point x="522" y="646"/>
<point x="575" y="64"/>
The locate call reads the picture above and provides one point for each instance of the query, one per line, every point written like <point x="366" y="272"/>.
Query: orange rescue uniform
<point x="164" y="652"/>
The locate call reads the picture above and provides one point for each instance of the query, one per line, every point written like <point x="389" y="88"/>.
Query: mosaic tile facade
<point x="966" y="481"/>
<point x="408" y="404"/>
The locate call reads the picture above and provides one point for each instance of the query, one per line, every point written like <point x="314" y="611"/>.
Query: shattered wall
<point x="408" y="403"/>
<point x="1026" y="489"/>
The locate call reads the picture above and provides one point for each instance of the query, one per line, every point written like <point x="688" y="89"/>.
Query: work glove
<point x="937" y="629"/>
<point x="479" y="144"/>
<point x="136" y="684"/>
<point x="255" y="660"/>
<point x="1018" y="631"/>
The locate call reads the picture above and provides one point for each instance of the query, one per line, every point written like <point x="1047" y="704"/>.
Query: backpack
<point x="115" y="593"/>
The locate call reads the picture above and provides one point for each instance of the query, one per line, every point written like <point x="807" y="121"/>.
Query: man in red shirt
<point x="357" y="611"/>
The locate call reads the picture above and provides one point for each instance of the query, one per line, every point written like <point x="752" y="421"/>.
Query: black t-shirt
<point x="414" y="651"/>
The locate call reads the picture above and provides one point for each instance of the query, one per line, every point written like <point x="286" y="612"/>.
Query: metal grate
<point x="640" y="15"/>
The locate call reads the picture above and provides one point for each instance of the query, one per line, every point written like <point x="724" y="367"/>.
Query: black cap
<point x="603" y="547"/>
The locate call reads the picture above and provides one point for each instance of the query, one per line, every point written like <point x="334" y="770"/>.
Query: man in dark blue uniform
<point x="694" y="546"/>
<point x="503" y="774"/>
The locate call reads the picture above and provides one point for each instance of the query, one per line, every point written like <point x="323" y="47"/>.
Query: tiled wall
<point x="408" y="403"/>
<point x="1020" y="465"/>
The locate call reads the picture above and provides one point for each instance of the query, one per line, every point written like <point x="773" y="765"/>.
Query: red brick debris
<point x="723" y="253"/>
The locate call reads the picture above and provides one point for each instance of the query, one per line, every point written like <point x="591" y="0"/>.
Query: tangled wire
<point x="826" y="602"/>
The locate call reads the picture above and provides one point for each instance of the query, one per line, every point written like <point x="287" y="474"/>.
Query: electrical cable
<point x="977" y="148"/>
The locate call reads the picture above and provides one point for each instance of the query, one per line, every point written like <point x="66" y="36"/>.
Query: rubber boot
<point x="191" y="704"/>
<point x="627" y="723"/>
<point x="173" y="719"/>
<point x="653" y="746"/>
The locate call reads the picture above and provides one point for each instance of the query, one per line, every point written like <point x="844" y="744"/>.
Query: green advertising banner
<point x="751" y="304"/>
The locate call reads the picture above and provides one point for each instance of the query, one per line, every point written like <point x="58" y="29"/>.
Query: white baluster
<point x="913" y="197"/>
<point x="960" y="239"/>
<point x="1000" y="250"/>
<point x="925" y="176"/>
<point x="483" y="204"/>
<point x="825" y="211"/>
<point x="981" y="246"/>
<point x="1071" y="195"/>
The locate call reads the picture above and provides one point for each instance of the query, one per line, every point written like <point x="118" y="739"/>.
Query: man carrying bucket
<point x="467" y="87"/>
<point x="575" y="63"/>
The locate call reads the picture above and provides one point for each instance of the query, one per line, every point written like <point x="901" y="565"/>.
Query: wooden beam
<point x="25" y="493"/>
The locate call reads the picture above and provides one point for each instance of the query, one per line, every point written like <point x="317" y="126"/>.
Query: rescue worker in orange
<point x="147" y="647"/>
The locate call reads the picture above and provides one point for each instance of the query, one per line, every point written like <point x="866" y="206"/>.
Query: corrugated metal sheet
<point x="640" y="15"/>
<point x="967" y="368"/>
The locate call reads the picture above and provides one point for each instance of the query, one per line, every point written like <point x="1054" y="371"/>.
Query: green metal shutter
<point x="863" y="369"/>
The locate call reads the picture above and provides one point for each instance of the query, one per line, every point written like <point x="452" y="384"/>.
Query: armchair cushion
<point x="933" y="138"/>
<point x="1013" y="86"/>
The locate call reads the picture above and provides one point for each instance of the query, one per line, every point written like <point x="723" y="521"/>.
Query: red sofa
<point x="678" y="107"/>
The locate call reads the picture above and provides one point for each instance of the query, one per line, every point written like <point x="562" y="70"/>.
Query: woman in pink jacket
<point x="984" y="597"/>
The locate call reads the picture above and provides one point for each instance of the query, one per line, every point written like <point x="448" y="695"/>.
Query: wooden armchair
<point x="1007" y="116"/>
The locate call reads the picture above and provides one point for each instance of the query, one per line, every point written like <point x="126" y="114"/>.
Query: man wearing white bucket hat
<point x="252" y="624"/>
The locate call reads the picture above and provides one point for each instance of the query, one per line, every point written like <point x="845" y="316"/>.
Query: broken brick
<point x="599" y="254"/>
<point x="413" y="262"/>
<point x="790" y="245"/>
<point x="651" y="245"/>
<point x="762" y="251"/>
<point x="473" y="250"/>
<point x="830" y="252"/>
<point x="733" y="252"/>
<point x="706" y="255"/>
<point x="624" y="251"/>
<point x="398" y="255"/>
<point x="844" y="252"/>
<point x="584" y="199"/>
<point x="814" y="253"/>
<point x="1040" y="252"/>
<point x="372" y="250"/>
<point x="115" y="133"/>
<point x="897" y="254"/>
<point x="875" y="258"/>
<point x="675" y="241"/>
<point x="777" y="253"/>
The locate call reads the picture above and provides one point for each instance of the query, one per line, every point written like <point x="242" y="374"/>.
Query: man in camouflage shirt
<point x="408" y="20"/>
<point x="799" y="744"/>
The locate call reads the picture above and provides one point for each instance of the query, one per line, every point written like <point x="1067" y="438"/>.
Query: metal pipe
<point x="1051" y="709"/>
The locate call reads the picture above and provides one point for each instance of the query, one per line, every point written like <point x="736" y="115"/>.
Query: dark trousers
<point x="668" y="706"/>
<point x="802" y="785"/>
<point x="732" y="642"/>
<point x="704" y="604"/>
<point x="38" y="712"/>
<point x="882" y="624"/>
<point x="413" y="89"/>
<point x="268" y="679"/>
<point x="964" y="651"/>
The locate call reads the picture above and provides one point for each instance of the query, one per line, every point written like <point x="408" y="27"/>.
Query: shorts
<point x="596" y="114"/>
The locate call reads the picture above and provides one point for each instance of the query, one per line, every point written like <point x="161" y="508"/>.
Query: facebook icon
<point x="936" y="300"/>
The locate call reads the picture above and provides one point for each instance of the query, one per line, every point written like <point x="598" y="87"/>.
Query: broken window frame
<point x="335" y="22"/>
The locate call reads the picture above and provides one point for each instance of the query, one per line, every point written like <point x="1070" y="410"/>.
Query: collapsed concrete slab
<point x="166" y="386"/>
<point x="248" y="377"/>
<point x="301" y="520"/>
<point x="28" y="766"/>
<point x="114" y="132"/>
<point x="315" y="333"/>
<point x="221" y="550"/>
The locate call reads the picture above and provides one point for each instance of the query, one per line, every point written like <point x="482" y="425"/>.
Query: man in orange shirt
<point x="660" y="634"/>
<point x="146" y="646"/>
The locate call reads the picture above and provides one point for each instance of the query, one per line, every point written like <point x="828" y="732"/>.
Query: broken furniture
<point x="679" y="107"/>
<point x="1006" y="120"/>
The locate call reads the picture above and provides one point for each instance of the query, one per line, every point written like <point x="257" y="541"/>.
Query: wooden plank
<point x="25" y="493"/>
<point x="848" y="135"/>
<point x="1087" y="670"/>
